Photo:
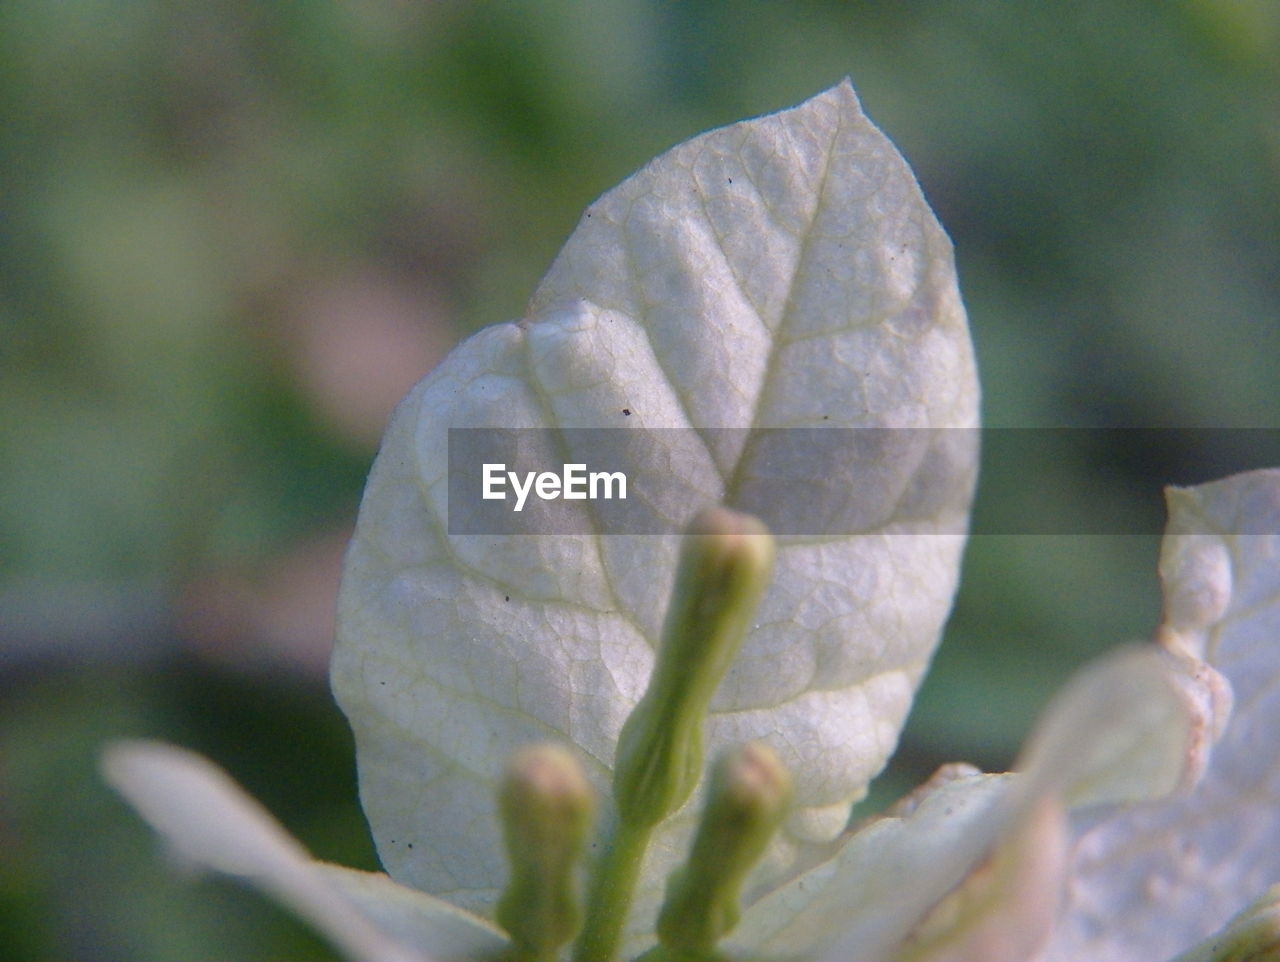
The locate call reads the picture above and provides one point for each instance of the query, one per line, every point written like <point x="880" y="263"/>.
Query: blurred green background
<point x="232" y="234"/>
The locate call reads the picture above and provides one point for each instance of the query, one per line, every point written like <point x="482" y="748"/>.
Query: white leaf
<point x="210" y="822"/>
<point x="1148" y="882"/>
<point x="781" y="272"/>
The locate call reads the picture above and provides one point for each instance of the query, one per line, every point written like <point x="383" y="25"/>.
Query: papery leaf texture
<point x="1148" y="882"/>
<point x="783" y="272"/>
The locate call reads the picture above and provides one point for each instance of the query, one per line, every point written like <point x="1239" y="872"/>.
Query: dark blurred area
<point x="232" y="235"/>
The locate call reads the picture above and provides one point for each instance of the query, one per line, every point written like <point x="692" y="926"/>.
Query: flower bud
<point x="749" y="794"/>
<point x="724" y="566"/>
<point x="547" y="808"/>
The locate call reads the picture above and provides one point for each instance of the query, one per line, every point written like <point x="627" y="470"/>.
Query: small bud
<point x="724" y="566"/>
<point x="547" y="808"/>
<point x="749" y="794"/>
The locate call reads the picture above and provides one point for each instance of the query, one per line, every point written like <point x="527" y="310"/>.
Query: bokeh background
<point x="232" y="234"/>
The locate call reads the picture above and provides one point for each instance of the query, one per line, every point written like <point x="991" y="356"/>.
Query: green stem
<point x="613" y="884"/>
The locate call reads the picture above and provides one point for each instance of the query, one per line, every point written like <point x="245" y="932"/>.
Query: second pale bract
<point x="783" y="272"/>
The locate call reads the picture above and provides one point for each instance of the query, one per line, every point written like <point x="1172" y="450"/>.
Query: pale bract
<point x="783" y="272"/>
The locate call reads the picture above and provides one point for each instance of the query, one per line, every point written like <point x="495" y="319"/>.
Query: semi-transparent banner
<point x="827" y="482"/>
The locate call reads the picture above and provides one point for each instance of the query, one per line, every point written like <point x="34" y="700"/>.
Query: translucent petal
<point x="209" y="821"/>
<point x="1149" y="882"/>
<point x="973" y="867"/>
<point x="863" y="902"/>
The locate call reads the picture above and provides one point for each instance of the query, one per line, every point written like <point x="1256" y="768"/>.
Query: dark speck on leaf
<point x="627" y="412"/>
<point x="411" y="845"/>
<point x="730" y="180"/>
<point x="826" y="417"/>
<point x="506" y="597"/>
